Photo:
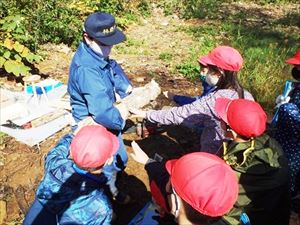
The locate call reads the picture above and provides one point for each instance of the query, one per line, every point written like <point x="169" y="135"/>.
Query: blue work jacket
<point x="93" y="82"/>
<point x="75" y="198"/>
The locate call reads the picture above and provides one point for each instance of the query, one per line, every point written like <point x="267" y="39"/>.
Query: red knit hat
<point x="92" y="146"/>
<point x="295" y="60"/>
<point x="245" y="117"/>
<point x="205" y="182"/>
<point x="224" y="57"/>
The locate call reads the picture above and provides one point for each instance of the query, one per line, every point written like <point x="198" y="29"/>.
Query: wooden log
<point x="47" y="118"/>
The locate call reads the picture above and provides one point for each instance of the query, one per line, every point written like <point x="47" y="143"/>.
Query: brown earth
<point x="21" y="167"/>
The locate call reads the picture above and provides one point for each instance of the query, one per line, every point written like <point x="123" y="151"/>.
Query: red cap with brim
<point x="92" y="146"/>
<point x="245" y="117"/>
<point x="295" y="60"/>
<point x="205" y="60"/>
<point x="224" y="57"/>
<point x="205" y="182"/>
<point x="221" y="107"/>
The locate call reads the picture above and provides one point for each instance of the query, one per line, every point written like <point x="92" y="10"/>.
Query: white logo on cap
<point x="109" y="30"/>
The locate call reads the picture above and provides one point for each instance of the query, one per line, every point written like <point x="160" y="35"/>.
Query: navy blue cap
<point x="102" y="27"/>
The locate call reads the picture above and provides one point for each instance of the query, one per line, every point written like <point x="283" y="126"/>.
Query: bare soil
<point x="21" y="167"/>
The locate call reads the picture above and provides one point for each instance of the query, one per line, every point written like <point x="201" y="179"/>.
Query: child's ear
<point x="172" y="203"/>
<point x="87" y="39"/>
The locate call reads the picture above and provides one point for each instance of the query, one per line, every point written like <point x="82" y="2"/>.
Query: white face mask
<point x="101" y="50"/>
<point x="211" y="80"/>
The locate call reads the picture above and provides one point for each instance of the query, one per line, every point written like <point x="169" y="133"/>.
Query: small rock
<point x="164" y="23"/>
<point x="144" y="22"/>
<point x="139" y="79"/>
<point x="121" y="61"/>
<point x="175" y="17"/>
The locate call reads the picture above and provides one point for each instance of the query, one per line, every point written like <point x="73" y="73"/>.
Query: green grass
<point x="165" y="56"/>
<point x="132" y="46"/>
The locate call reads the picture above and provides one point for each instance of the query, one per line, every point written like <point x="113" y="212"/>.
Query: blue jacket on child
<point x="67" y="195"/>
<point x="184" y="100"/>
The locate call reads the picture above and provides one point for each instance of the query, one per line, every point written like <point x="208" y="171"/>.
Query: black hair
<point x="196" y="217"/>
<point x="229" y="80"/>
<point x="296" y="73"/>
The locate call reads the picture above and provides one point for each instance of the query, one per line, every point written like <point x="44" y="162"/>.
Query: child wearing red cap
<point x="287" y="126"/>
<point x="258" y="162"/>
<point x="198" y="188"/>
<point x="223" y="65"/>
<point x="73" y="189"/>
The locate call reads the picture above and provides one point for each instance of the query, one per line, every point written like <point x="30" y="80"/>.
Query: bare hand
<point x="138" y="154"/>
<point x="85" y="122"/>
<point x="169" y="95"/>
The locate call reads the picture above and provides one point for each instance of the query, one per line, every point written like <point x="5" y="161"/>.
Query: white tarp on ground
<point x="21" y="108"/>
<point x="35" y="135"/>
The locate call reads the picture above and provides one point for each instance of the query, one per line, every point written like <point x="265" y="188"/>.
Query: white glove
<point x="123" y="110"/>
<point x="281" y="100"/>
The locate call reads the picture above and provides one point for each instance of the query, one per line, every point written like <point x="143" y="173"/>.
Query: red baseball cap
<point x="295" y="60"/>
<point x="245" y="117"/>
<point x="92" y="146"/>
<point x="205" y="182"/>
<point x="224" y="57"/>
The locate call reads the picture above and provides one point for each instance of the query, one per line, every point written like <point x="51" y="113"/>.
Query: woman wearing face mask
<point x="95" y="81"/>
<point x="287" y="131"/>
<point x="223" y="64"/>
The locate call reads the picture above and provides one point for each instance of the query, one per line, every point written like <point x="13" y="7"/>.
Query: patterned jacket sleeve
<point x="196" y="112"/>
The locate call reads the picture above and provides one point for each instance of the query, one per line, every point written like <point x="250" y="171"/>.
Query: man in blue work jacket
<point x="95" y="81"/>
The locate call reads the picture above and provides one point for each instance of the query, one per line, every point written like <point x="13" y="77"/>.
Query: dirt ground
<point x="21" y="167"/>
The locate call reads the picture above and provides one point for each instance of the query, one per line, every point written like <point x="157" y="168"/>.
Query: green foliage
<point x="61" y="21"/>
<point x="191" y="8"/>
<point x="189" y="70"/>
<point x="46" y="21"/>
<point x="265" y="2"/>
<point x="26" y="24"/>
<point x="15" y="57"/>
<point x="165" y="56"/>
